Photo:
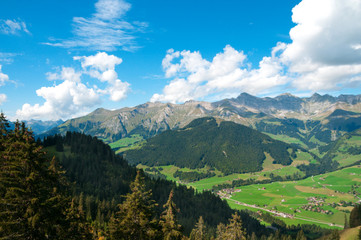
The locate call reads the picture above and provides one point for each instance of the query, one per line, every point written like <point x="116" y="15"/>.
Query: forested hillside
<point x="226" y="146"/>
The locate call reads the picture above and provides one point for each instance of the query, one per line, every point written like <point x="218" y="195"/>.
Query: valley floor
<point x="324" y="200"/>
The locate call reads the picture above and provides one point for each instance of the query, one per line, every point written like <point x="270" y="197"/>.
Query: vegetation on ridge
<point x="227" y="146"/>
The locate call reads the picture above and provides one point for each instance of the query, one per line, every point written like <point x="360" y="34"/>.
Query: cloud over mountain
<point x="325" y="54"/>
<point x="72" y="97"/>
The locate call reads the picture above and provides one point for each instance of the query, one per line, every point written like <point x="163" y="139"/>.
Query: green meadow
<point x="133" y="142"/>
<point x="289" y="197"/>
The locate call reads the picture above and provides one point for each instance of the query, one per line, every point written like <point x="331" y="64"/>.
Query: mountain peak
<point x="322" y="98"/>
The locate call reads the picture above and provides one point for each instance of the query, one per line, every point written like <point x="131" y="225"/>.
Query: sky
<point x="64" y="59"/>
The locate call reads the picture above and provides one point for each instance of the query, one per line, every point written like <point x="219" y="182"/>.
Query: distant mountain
<point x="226" y="146"/>
<point x="40" y="127"/>
<point x="309" y="122"/>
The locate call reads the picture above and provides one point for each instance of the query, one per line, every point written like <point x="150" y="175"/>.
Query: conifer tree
<point x="355" y="216"/>
<point x="135" y="217"/>
<point x="33" y="202"/>
<point x="234" y="230"/>
<point x="335" y="235"/>
<point x="77" y="227"/>
<point x="199" y="231"/>
<point x="170" y="227"/>
<point x="346" y="225"/>
<point x="221" y="230"/>
<point x="301" y="236"/>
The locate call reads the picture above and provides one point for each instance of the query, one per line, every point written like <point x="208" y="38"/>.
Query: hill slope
<point x="226" y="146"/>
<point x="103" y="178"/>
<point x="346" y="150"/>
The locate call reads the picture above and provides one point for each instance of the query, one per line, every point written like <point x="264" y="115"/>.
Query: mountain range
<point x="309" y="122"/>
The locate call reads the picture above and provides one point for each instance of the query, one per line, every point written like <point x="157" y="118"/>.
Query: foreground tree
<point x="33" y="202"/>
<point x="234" y="230"/>
<point x="199" y="231"/>
<point x="355" y="216"/>
<point x="301" y="236"/>
<point x="170" y="228"/>
<point x="134" y="220"/>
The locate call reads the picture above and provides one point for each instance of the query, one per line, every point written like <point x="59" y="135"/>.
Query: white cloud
<point x="3" y="77"/>
<point x="197" y="78"/>
<point x="101" y="61"/>
<point x="7" y="57"/>
<point x="102" y="66"/>
<point x="13" y="27"/>
<point x="105" y="30"/>
<point x="67" y="99"/>
<point x="67" y="73"/>
<point x="3" y="98"/>
<point x="325" y="54"/>
<point x="325" y="51"/>
<point x="71" y="97"/>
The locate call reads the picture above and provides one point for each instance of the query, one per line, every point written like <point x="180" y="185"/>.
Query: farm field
<point x="316" y="199"/>
<point x="323" y="200"/>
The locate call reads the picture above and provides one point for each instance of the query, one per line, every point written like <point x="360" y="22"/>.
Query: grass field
<point x="124" y="144"/>
<point x="287" y="139"/>
<point x="290" y="197"/>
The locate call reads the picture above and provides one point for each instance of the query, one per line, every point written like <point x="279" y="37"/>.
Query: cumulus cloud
<point x="325" y="51"/>
<point x="71" y="97"/>
<point x="105" y="30"/>
<point x="196" y="78"/>
<point x="67" y="73"/>
<point x="102" y="66"/>
<point x="325" y="54"/>
<point x="3" y="77"/>
<point x="13" y="27"/>
<point x="66" y="99"/>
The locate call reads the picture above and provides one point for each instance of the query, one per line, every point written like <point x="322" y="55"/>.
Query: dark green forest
<point x="227" y="146"/>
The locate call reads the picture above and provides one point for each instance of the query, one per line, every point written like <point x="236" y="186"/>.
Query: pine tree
<point x="253" y="236"/>
<point x="234" y="230"/>
<point x="335" y="235"/>
<point x="221" y="230"/>
<point x="199" y="231"/>
<point x="170" y="227"/>
<point x="301" y="236"/>
<point x="355" y="216"/>
<point x="33" y="200"/>
<point x="77" y="227"/>
<point x="135" y="217"/>
<point x="346" y="225"/>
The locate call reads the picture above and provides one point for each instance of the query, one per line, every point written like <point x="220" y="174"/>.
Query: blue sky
<point x="62" y="59"/>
